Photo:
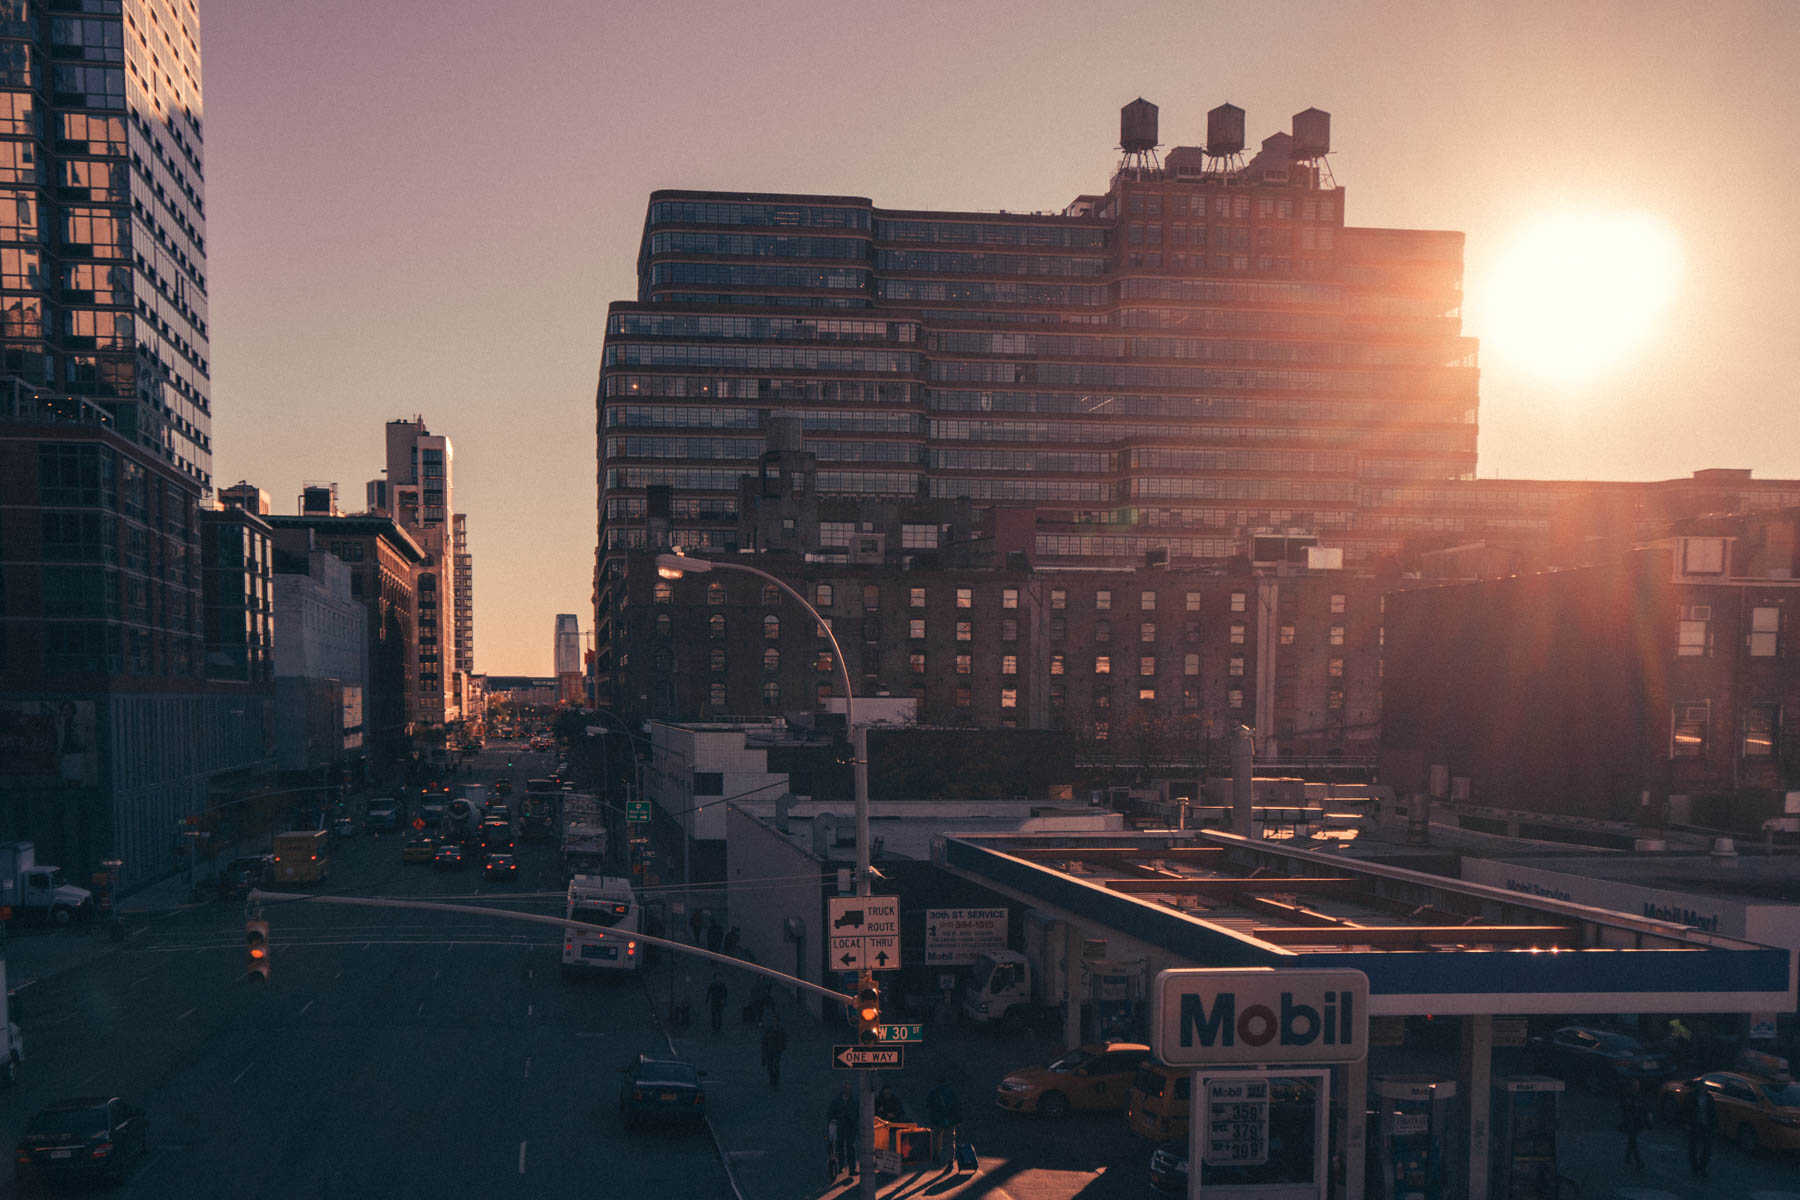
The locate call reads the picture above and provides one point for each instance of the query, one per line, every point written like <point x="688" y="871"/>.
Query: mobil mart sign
<point x="1202" y="1017"/>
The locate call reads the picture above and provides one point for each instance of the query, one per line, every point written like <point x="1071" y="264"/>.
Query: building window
<point x="1192" y="601"/>
<point x="715" y="594"/>
<point x="771" y="628"/>
<point x="1147" y="664"/>
<point x="1101" y="731"/>
<point x="965" y="664"/>
<point x="718" y="660"/>
<point x="1102" y="664"/>
<point x="965" y="597"/>
<point x="715" y="625"/>
<point x="1009" y="664"/>
<point x="871" y="598"/>
<point x="1190" y="664"/>
<point x="1059" y="695"/>
<point x="964" y="695"/>
<point x="1009" y="597"/>
<point x="822" y="596"/>
<point x="1009" y="629"/>
<point x="965" y="631"/>
<point x="1103" y="600"/>
<point x="1335" y="668"/>
<point x="823" y="663"/>
<point x="771" y="660"/>
<point x="1059" y="598"/>
<point x="915" y="628"/>
<point x="1765" y="631"/>
<point x="1236" y="665"/>
<point x="1761" y="721"/>
<point x="771" y="694"/>
<point x="664" y="625"/>
<point x="1234" y="698"/>
<point x="1103" y="696"/>
<point x="1237" y="635"/>
<point x="716" y="695"/>
<point x="1103" y="631"/>
<point x="1337" y="602"/>
<point x="1059" y="628"/>
<point x="1147" y="601"/>
<point x="1238" y="602"/>
<point x="1334" y="699"/>
<point x="836" y="533"/>
<point x="1690" y="723"/>
<point x="822" y="694"/>
<point x="1056" y="664"/>
<point x="918" y="537"/>
<point x="1703" y="556"/>
<point x="1147" y="631"/>
<point x="915" y="597"/>
<point x="1190" y="698"/>
<point x="916" y="662"/>
<point x="1336" y="636"/>
<point x="1009" y="697"/>
<point x="771" y="595"/>
<point x="1693" y="638"/>
<point x="1287" y="635"/>
<point x="1146" y="694"/>
<point x="663" y="594"/>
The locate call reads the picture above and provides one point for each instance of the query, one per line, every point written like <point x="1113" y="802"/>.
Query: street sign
<point x="637" y="810"/>
<point x="418" y="822"/>
<point x="900" y="1033"/>
<point x="955" y="937"/>
<point x="865" y="933"/>
<point x="1237" y="1122"/>
<point x="868" y="1058"/>
<point x="1204" y="1016"/>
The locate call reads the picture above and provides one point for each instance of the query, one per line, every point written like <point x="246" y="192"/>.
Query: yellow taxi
<point x="1087" y="1079"/>
<point x="1756" y="1111"/>
<point x="1157" y="1105"/>
<point x="418" y="849"/>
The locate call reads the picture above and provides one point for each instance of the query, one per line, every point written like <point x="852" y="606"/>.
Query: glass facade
<point x="103" y="215"/>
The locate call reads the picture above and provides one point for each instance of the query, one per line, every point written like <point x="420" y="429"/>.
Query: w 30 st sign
<point x="1202" y="1017"/>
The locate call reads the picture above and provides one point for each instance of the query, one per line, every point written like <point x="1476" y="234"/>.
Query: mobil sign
<point x="1202" y="1017"/>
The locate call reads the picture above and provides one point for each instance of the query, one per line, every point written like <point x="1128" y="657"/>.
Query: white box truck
<point x="34" y="889"/>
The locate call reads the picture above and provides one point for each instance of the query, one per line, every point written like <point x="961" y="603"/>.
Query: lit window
<point x="823" y="662"/>
<point x="1236" y="665"/>
<point x="771" y="660"/>
<point x="1190" y="698"/>
<point x="1287" y="635"/>
<point x="1237" y="635"/>
<point x="1234" y="698"/>
<point x="915" y="597"/>
<point x="1102" y="664"/>
<point x="665" y="593"/>
<point x="1056" y="664"/>
<point x="965" y="597"/>
<point x="1009" y="697"/>
<point x="1147" y="631"/>
<point x="1337" y="602"/>
<point x="771" y="595"/>
<point x="1147" y="601"/>
<point x="715" y="625"/>
<point x="916" y="661"/>
<point x="1337" y="635"/>
<point x="771" y="628"/>
<point x="715" y="594"/>
<point x="718" y="660"/>
<point x="1689" y="732"/>
<point x="1009" y="664"/>
<point x="1059" y="598"/>
<point x="1190" y="664"/>
<point x="964" y="664"/>
<point x="717" y="694"/>
<point x="915" y="628"/>
<point x="965" y="631"/>
<point x="1237" y="602"/>
<point x="822" y="596"/>
<point x="1009" y="597"/>
<point x="1761" y="721"/>
<point x="1100" y="731"/>
<point x="1334" y="698"/>
<point x="1335" y="668"/>
<point x="1765" y="629"/>
<point x="1146" y="693"/>
<point x="1147" y="665"/>
<point x="1103" y="600"/>
<point x="1193" y="601"/>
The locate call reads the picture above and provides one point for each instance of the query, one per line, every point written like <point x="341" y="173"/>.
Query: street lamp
<point x="674" y="566"/>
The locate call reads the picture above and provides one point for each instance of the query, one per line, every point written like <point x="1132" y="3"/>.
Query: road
<point x="392" y="1053"/>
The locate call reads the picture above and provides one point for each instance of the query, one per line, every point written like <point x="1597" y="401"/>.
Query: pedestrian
<point x="774" y="1041"/>
<point x="1703" y="1118"/>
<point x="888" y="1106"/>
<point x="1634" y="1115"/>
<point x="715" y="1000"/>
<point x="944" y="1111"/>
<point x="697" y="923"/>
<point x="840" y="1132"/>
<point x="731" y="940"/>
<point x="715" y="936"/>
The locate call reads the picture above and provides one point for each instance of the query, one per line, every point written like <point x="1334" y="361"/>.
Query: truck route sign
<point x="864" y="933"/>
<point x="1263" y="1015"/>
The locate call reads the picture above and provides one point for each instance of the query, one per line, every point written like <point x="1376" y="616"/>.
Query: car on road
<point x="496" y="837"/>
<point x="247" y="872"/>
<point x="94" y="1137"/>
<point x="1601" y="1059"/>
<point x="383" y="812"/>
<point x="343" y="827"/>
<point x="1087" y="1079"/>
<point x="418" y="849"/>
<point x="1755" y="1111"/>
<point x="502" y="787"/>
<point x="1169" y="1169"/>
<point x="496" y="807"/>
<point x="501" y="867"/>
<point x="448" y="857"/>
<point x="661" y="1089"/>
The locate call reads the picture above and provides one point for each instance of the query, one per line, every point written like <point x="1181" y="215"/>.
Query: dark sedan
<point x="94" y="1137"/>
<point x="661" y="1089"/>
<point x="501" y="867"/>
<point x="1601" y="1059"/>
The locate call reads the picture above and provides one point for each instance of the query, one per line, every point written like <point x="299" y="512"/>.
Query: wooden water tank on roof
<point x="1225" y="130"/>
<point x="1137" y="126"/>
<point x="1312" y="134"/>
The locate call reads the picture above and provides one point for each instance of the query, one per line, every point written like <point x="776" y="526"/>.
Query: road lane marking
<point x="365" y="945"/>
<point x="528" y="1066"/>
<point x="588" y="1034"/>
<point x="184" y="1016"/>
<point x="530" y="1010"/>
<point x="309" y="1004"/>
<point x="521" y="1158"/>
<point x="243" y="1072"/>
<point x="340" y="974"/>
<point x="436" y="973"/>
<point x="91" y="1078"/>
<point x="139" y="980"/>
<point x="420" y="1010"/>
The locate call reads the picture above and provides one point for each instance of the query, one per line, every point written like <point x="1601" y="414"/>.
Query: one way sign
<point x="868" y="1058"/>
<point x="865" y="933"/>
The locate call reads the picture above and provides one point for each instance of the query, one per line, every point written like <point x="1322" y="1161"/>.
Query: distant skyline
<point x="410" y="213"/>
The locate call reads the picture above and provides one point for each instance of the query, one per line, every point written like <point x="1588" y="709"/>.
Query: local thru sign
<point x="1263" y="1015"/>
<point x="865" y="933"/>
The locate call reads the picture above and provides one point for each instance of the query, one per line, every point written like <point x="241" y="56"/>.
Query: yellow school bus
<point x="302" y="856"/>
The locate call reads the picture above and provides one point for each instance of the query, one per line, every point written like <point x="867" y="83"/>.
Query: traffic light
<point x="256" y="941"/>
<point x="868" y="1008"/>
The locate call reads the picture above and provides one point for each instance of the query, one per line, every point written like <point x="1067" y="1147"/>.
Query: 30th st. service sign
<point x="1202" y="1017"/>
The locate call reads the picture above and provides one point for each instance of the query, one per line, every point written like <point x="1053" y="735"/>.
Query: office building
<point x="567" y="660"/>
<point x="1204" y="351"/>
<point x="321" y="667"/>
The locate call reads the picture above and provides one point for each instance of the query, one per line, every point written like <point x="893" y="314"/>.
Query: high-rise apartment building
<point x="103" y="218"/>
<point x="1202" y="352"/>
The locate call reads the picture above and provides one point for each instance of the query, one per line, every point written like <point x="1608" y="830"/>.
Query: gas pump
<point x="1415" y="1137"/>
<point x="1524" y="1115"/>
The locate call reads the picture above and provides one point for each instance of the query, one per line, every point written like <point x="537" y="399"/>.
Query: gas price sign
<point x="1237" y="1122"/>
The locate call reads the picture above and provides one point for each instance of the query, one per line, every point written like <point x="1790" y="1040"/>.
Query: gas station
<point x="1283" y="974"/>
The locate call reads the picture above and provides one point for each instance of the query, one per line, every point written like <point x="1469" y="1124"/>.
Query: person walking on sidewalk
<point x="697" y="923"/>
<point x="715" y="1001"/>
<point x="944" y="1111"/>
<point x="1634" y="1115"/>
<point x="840" y="1129"/>
<point x="1703" y="1117"/>
<point x="774" y="1041"/>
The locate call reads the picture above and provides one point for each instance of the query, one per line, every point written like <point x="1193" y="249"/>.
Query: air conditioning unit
<point x="869" y="549"/>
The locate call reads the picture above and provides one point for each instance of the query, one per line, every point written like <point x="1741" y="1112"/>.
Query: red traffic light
<point x="256" y="942"/>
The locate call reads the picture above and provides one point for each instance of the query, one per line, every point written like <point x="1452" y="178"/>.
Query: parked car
<point x="1169" y="1169"/>
<point x="662" y="1089"/>
<point x="1156" y="1107"/>
<point x="1600" y="1059"/>
<point x="94" y="1137"/>
<point x="1086" y="1079"/>
<point x="1757" y="1112"/>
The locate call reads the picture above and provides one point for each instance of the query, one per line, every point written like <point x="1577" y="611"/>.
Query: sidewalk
<point x="35" y="952"/>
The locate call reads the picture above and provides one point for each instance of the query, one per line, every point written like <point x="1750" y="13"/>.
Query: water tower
<point x="1312" y="142"/>
<point x="1138" y="136"/>
<point x="1225" y="137"/>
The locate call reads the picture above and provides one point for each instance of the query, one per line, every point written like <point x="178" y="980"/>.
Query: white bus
<point x="602" y="900"/>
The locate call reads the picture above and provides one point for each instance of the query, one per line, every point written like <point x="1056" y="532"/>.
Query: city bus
<point x="602" y="900"/>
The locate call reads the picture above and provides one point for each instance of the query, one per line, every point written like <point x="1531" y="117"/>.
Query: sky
<point x="416" y="213"/>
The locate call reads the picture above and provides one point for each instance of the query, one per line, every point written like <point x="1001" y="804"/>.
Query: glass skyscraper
<point x="103" y="218"/>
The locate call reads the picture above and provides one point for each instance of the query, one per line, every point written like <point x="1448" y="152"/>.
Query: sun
<point x="1574" y="295"/>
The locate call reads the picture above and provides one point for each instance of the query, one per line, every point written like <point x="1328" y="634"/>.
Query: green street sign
<point x="900" y="1033"/>
<point x="637" y="810"/>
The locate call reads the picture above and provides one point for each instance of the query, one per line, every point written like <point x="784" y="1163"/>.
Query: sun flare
<point x="1574" y="295"/>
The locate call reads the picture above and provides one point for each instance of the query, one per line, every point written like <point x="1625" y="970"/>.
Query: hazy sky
<point x="425" y="207"/>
